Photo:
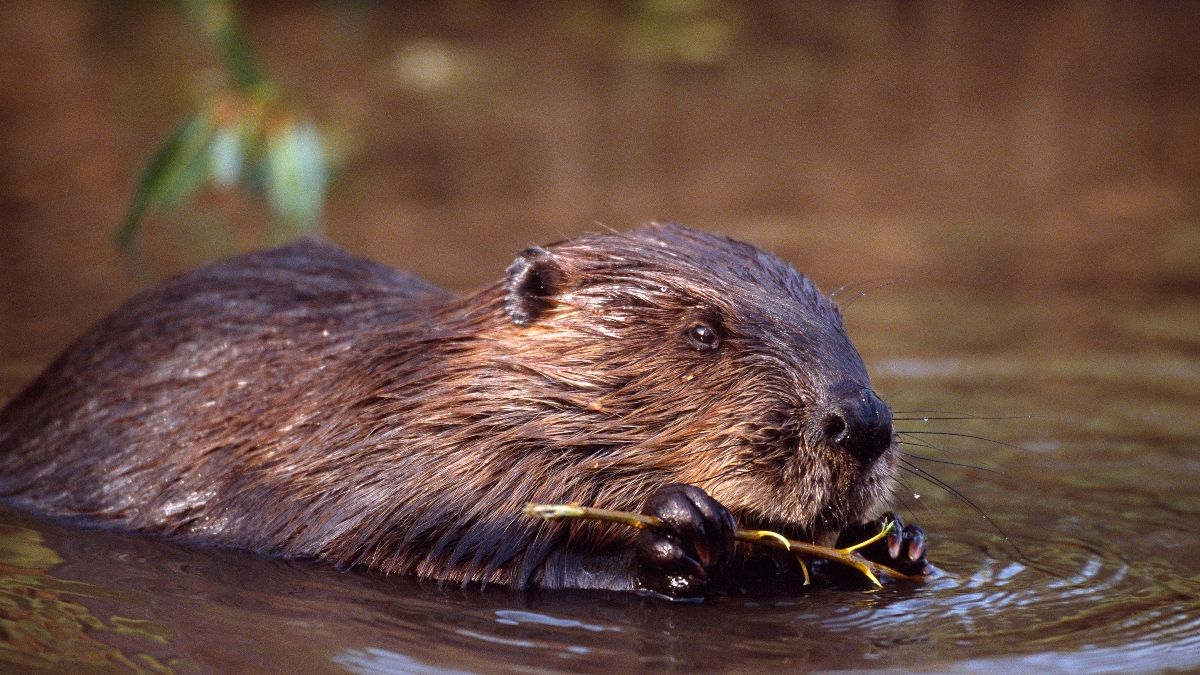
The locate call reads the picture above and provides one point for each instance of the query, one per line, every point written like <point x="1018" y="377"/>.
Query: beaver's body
<point x="303" y="402"/>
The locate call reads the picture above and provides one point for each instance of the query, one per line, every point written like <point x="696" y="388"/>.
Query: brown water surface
<point x="1013" y="193"/>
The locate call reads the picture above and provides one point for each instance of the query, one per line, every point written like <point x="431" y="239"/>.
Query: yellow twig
<point x="848" y="556"/>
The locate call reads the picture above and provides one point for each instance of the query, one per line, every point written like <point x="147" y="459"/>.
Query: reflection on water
<point x="1018" y="218"/>
<point x="46" y="620"/>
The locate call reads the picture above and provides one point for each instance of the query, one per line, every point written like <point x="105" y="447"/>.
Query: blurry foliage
<point x="245" y="138"/>
<point x="660" y="32"/>
<point x="695" y="32"/>
<point x="242" y="136"/>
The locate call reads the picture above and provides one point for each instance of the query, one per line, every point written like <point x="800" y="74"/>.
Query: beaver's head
<point x="671" y="355"/>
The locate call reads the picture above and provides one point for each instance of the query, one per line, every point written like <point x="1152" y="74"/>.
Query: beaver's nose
<point x="859" y="423"/>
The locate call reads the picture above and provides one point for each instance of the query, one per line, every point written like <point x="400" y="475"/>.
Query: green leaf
<point x="177" y="170"/>
<point x="227" y="155"/>
<point x="296" y="174"/>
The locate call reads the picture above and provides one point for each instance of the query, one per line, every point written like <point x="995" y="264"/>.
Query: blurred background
<point x="950" y="145"/>
<point x="1011" y="191"/>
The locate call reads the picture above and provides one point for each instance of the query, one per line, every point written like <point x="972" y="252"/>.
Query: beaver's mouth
<point x="854" y="494"/>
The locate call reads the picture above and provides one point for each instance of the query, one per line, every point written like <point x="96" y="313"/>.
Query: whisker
<point x="908" y="504"/>
<point x="917" y="497"/>
<point x="949" y="463"/>
<point x="962" y="435"/>
<point x="921" y="442"/>
<point x="928" y="418"/>
<point x="961" y="414"/>
<point x="936" y="412"/>
<point x="920" y="445"/>
<point x="879" y="285"/>
<point x="838" y="291"/>
<point x="925" y="475"/>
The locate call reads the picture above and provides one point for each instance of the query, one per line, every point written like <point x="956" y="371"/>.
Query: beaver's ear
<point x="533" y="280"/>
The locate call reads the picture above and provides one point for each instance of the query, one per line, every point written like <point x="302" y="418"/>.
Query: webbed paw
<point x="697" y="537"/>
<point x="903" y="549"/>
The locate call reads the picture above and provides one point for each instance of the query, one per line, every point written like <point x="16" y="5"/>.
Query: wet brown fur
<point x="303" y="402"/>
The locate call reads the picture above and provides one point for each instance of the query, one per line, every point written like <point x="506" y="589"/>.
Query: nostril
<point x="834" y="426"/>
<point x="859" y="423"/>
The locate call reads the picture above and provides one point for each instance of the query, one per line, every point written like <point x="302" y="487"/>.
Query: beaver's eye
<point x="703" y="337"/>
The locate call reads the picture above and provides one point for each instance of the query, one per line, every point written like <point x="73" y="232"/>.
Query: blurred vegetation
<point x="244" y="143"/>
<point x="690" y="32"/>
<point x="243" y="136"/>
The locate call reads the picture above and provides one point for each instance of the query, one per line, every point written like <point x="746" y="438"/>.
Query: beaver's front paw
<point x="697" y="537"/>
<point x="903" y="549"/>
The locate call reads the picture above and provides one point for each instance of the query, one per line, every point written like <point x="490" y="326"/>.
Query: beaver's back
<point x="150" y="391"/>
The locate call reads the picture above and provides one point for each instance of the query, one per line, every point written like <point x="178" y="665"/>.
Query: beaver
<point x="303" y="402"/>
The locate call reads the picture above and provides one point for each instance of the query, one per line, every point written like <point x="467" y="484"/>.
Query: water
<point x="1031" y="263"/>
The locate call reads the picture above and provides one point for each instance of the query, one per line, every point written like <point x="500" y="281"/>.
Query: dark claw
<point x="697" y="537"/>
<point x="903" y="549"/>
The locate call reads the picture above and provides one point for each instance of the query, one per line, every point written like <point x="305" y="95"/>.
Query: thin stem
<point x="217" y="23"/>
<point x="848" y="556"/>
